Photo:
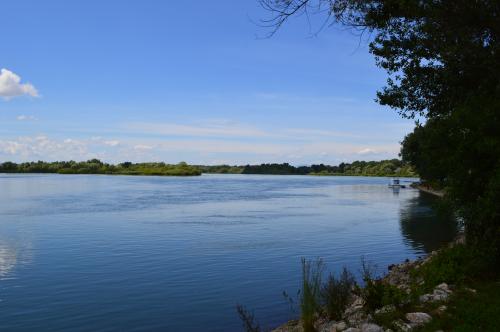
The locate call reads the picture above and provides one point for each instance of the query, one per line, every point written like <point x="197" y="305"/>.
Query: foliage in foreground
<point x="248" y="320"/>
<point x="376" y="293"/>
<point x="456" y="265"/>
<point x="336" y="293"/>
<point x="469" y="311"/>
<point x="311" y="292"/>
<point x="442" y="62"/>
<point x="96" y="166"/>
<point x="316" y="299"/>
<point x="462" y="267"/>
<point x="459" y="265"/>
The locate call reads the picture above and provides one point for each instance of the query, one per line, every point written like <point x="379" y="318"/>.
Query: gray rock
<point x="386" y="309"/>
<point x="355" y="315"/>
<point x="352" y="310"/>
<point x="352" y="329"/>
<point x="440" y="295"/>
<point x="418" y="318"/>
<point x="327" y="327"/>
<point x="368" y="327"/>
<point x="356" y="318"/>
<point x="401" y="326"/>
<point x="333" y="326"/>
<point x="441" y="309"/>
<point x="426" y="298"/>
<point x="444" y="286"/>
<point x="358" y="301"/>
<point x="340" y="326"/>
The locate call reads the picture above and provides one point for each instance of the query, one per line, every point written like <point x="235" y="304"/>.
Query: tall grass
<point x="311" y="290"/>
<point x="336" y="293"/>
<point x="315" y="298"/>
<point x="248" y="320"/>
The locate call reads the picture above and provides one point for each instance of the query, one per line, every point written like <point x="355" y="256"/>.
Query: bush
<point x="310" y="293"/>
<point x="454" y="265"/>
<point x="336" y="294"/>
<point x="377" y="293"/>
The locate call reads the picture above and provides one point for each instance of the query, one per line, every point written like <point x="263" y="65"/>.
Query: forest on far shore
<point x="393" y="167"/>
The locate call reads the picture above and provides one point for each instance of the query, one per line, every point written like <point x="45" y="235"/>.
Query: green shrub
<point x="394" y="295"/>
<point x="310" y="292"/>
<point x="373" y="290"/>
<point x="336" y="294"/>
<point x="453" y="265"/>
<point x="373" y="294"/>
<point x="377" y="293"/>
<point x="468" y="311"/>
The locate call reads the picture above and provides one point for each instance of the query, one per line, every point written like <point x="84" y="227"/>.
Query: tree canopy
<point x="442" y="59"/>
<point x="95" y="166"/>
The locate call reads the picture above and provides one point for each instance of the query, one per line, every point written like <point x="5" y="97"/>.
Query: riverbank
<point x="428" y="189"/>
<point x="439" y="292"/>
<point x="384" y="168"/>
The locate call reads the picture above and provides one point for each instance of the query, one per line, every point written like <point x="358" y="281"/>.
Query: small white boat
<point x="396" y="184"/>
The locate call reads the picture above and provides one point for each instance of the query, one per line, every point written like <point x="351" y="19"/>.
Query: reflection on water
<point x="423" y="227"/>
<point x="8" y="258"/>
<point x="14" y="251"/>
<point x="177" y="254"/>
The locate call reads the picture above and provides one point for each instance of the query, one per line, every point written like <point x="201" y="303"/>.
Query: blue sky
<point x="187" y="81"/>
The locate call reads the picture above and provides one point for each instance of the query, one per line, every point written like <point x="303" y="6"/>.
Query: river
<point x="136" y="253"/>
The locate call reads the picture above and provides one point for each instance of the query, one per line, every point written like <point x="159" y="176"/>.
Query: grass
<point x="311" y="291"/>
<point x="459" y="266"/>
<point x="468" y="311"/>
<point x="454" y="265"/>
<point x="250" y="324"/>
<point x="336" y="294"/>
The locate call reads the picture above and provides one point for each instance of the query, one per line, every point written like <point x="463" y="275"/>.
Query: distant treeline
<point x="96" y="166"/>
<point x="393" y="167"/>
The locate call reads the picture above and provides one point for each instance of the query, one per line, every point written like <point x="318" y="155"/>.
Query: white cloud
<point x="202" y="130"/>
<point x="112" y="143"/>
<point x="199" y="151"/>
<point x="25" y="118"/>
<point x="43" y="148"/>
<point x="232" y="129"/>
<point x="11" y="86"/>
<point x="367" y="151"/>
<point x="143" y="147"/>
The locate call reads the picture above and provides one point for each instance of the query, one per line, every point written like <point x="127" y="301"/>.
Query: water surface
<point x="115" y="253"/>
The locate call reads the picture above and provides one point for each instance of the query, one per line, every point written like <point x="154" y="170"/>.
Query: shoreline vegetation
<point x="95" y="166"/>
<point x="427" y="188"/>
<point x="455" y="149"/>
<point x="446" y="290"/>
<point x="450" y="289"/>
<point x="393" y="167"/>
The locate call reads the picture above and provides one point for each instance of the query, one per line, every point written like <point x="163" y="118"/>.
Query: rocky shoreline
<point x="357" y="318"/>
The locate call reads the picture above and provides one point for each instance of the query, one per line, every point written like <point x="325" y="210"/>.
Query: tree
<point x="442" y="58"/>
